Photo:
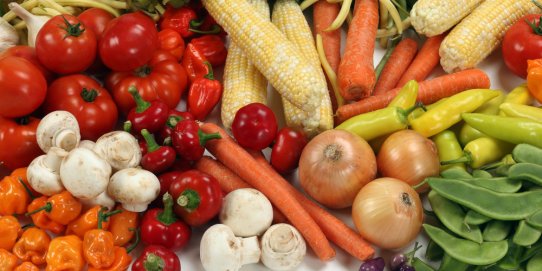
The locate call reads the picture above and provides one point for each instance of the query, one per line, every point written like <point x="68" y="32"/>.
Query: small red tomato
<point x="18" y="145"/>
<point x="287" y="149"/>
<point x="521" y="42"/>
<point x="96" y="19"/>
<point x="254" y="126"/>
<point x="28" y="53"/>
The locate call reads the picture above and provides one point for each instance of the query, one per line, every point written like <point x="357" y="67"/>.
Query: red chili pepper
<point x="179" y="19"/>
<point x="158" y="158"/>
<point x="174" y="116"/>
<point x="212" y="47"/>
<point x="161" y="227"/>
<point x="193" y="63"/>
<point x="157" y="258"/>
<point x="289" y="144"/>
<point x="142" y="146"/>
<point x="172" y="42"/>
<point x="182" y="164"/>
<point x="146" y="115"/>
<point x="198" y="197"/>
<point x="189" y="141"/>
<point x="166" y="179"/>
<point x="204" y="94"/>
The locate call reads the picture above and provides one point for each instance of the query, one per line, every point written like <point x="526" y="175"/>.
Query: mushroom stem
<point x="66" y="139"/>
<point x="250" y="250"/>
<point x="54" y="157"/>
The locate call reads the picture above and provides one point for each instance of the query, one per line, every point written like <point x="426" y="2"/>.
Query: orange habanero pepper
<point x="15" y="193"/>
<point x="122" y="261"/>
<point x="26" y="266"/>
<point x="62" y="208"/>
<point x="8" y="261"/>
<point x="9" y="231"/>
<point x="534" y="78"/>
<point x="41" y="219"/>
<point x="89" y="221"/>
<point x="32" y="246"/>
<point x="98" y="245"/>
<point x="65" y="253"/>
<point x="123" y="225"/>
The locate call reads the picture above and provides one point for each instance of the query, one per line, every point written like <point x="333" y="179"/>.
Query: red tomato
<point x="22" y="87"/>
<point x="287" y="149"/>
<point x="128" y="42"/>
<point x="95" y="19"/>
<point x="254" y="126"/>
<point x="18" y="143"/>
<point x="91" y="104"/>
<point x="521" y="42"/>
<point x="64" y="46"/>
<point x="165" y="80"/>
<point x="28" y="53"/>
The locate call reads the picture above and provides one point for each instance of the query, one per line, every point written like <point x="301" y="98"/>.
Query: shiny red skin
<point x="22" y="87"/>
<point x="61" y="52"/>
<point x="95" y="19"/>
<point x="170" y="259"/>
<point x="152" y="118"/>
<point x="159" y="160"/>
<point x="167" y="130"/>
<point x="174" y="236"/>
<point x="18" y="143"/>
<point x="194" y="63"/>
<point x="254" y="126"/>
<point x="179" y="19"/>
<point x="521" y="43"/>
<point x="172" y="42"/>
<point x="202" y="186"/>
<point x="212" y="47"/>
<point x="128" y="41"/>
<point x="203" y="95"/>
<point x="287" y="149"/>
<point x="95" y="117"/>
<point x="186" y="140"/>
<point x="28" y="53"/>
<point x="166" y="179"/>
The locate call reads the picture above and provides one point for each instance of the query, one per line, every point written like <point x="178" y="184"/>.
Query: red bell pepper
<point x="198" y="197"/>
<point x="194" y="63"/>
<point x="204" y="94"/>
<point x="189" y="141"/>
<point x="166" y="179"/>
<point x="212" y="47"/>
<point x="158" y="158"/>
<point x="146" y="115"/>
<point x="157" y="258"/>
<point x="172" y="42"/>
<point x="18" y="145"/>
<point x="174" y="116"/>
<point x="161" y="227"/>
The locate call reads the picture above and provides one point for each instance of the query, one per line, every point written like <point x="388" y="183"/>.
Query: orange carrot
<point x="429" y="92"/>
<point x="400" y="59"/>
<point x="356" y="76"/>
<point x="239" y="161"/>
<point x="229" y="181"/>
<point x="424" y="63"/>
<point x="338" y="232"/>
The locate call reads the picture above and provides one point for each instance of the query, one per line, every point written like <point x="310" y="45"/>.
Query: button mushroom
<point x="134" y="188"/>
<point x="84" y="174"/>
<point x="43" y="172"/>
<point x="103" y="200"/>
<point x="87" y="144"/>
<point x="58" y="129"/>
<point x="120" y="149"/>
<point x="247" y="212"/>
<point x="283" y="248"/>
<point x="220" y="250"/>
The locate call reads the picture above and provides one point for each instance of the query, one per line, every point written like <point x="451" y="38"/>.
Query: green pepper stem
<point x="189" y="199"/>
<point x="215" y="29"/>
<point x="210" y="75"/>
<point x="29" y="225"/>
<point x="136" y="241"/>
<point x="166" y="216"/>
<point x="466" y="158"/>
<point x="149" y="139"/>
<point x="127" y="126"/>
<point x="26" y="188"/>
<point x="47" y="208"/>
<point x="154" y="262"/>
<point x="203" y="137"/>
<point x="89" y="95"/>
<point x="103" y="216"/>
<point x="141" y="105"/>
<point x="173" y="120"/>
<point x="195" y="23"/>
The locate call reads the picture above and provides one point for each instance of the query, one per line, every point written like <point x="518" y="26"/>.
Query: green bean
<point x="433" y="252"/>
<point x="501" y="206"/>
<point x="512" y="259"/>
<point x="526" y="171"/>
<point x="452" y="216"/>
<point x="455" y="173"/>
<point x="535" y="263"/>
<point x="475" y="218"/>
<point x="478" y="173"/>
<point x="420" y="265"/>
<point x="498" y="184"/>
<point x="535" y="220"/>
<point x="449" y="263"/>
<point x="465" y="250"/>
<point x="525" y="234"/>
<point x="527" y="153"/>
<point x="496" y="230"/>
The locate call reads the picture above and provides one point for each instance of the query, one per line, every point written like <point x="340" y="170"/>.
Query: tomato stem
<point x="73" y="30"/>
<point x="89" y="95"/>
<point x="143" y="71"/>
<point x="537" y="28"/>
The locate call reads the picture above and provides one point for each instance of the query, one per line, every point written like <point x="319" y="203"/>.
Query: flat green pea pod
<point x="535" y="220"/>
<point x="491" y="107"/>
<point x="420" y="265"/>
<point x="406" y="97"/>
<point x="448" y="113"/>
<point x="526" y="171"/>
<point x="522" y="111"/>
<point x="496" y="230"/>
<point x="512" y="259"/>
<point x="478" y="173"/>
<point x="500" y="206"/>
<point x="465" y="250"/>
<point x="498" y="184"/>
<point x="509" y="129"/>
<point x="452" y="216"/>
<point x="449" y="263"/>
<point x="455" y="173"/>
<point x="433" y="252"/>
<point x="482" y="151"/>
<point x="526" y="153"/>
<point x="535" y="263"/>
<point x="525" y="235"/>
<point x="475" y="218"/>
<point x="448" y="149"/>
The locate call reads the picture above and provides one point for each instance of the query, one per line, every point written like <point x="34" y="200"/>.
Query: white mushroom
<point x="84" y="173"/>
<point x="103" y="200"/>
<point x="43" y="172"/>
<point x="58" y="129"/>
<point x="247" y="212"/>
<point x="120" y="149"/>
<point x="283" y="247"/>
<point x="220" y="250"/>
<point x="134" y="188"/>
<point x="87" y="144"/>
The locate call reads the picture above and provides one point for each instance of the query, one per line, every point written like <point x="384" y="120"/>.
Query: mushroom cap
<point x="58" y="129"/>
<point x="283" y="247"/>
<point x="135" y="188"/>
<point x="120" y="149"/>
<point x="43" y="179"/>
<point x="84" y="173"/>
<point x="247" y="212"/>
<point x="103" y="200"/>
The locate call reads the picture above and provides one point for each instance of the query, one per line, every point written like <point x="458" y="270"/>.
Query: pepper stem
<point x="466" y="158"/>
<point x="141" y="105"/>
<point x="89" y="95"/>
<point x="195" y="23"/>
<point x="136" y="241"/>
<point x="173" y="120"/>
<point x="26" y="188"/>
<point x="47" y="208"/>
<point x="154" y="262"/>
<point x="166" y="216"/>
<point x="189" y="199"/>
<point x="215" y="29"/>
<point x="149" y="139"/>
<point x="127" y="126"/>
<point x="73" y="30"/>
<point x="203" y="137"/>
<point x="210" y="75"/>
<point x="102" y="217"/>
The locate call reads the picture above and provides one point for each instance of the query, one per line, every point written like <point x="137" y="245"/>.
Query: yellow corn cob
<point x="289" y="18"/>
<point x="243" y="83"/>
<point x="480" y="33"/>
<point x="270" y="51"/>
<point x="434" y="17"/>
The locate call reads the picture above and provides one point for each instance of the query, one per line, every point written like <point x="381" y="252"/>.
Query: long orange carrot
<point x="424" y="63"/>
<point x="338" y="232"/>
<point x="229" y="181"/>
<point x="429" y="92"/>
<point x="356" y="76"/>
<point x="239" y="161"/>
<point x="400" y="59"/>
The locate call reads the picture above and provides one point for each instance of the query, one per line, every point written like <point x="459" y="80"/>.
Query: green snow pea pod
<point x="433" y="252"/>
<point x="475" y="218"/>
<point x="496" y="230"/>
<point x="497" y="184"/>
<point x="448" y="148"/>
<point x="535" y="263"/>
<point x="420" y="265"/>
<point x="449" y="263"/>
<point x="501" y="206"/>
<point x="465" y="250"/>
<point x="535" y="220"/>
<point x="527" y="153"/>
<point x="526" y="171"/>
<point x="478" y="173"/>
<point x="512" y="259"/>
<point x="455" y="173"/>
<point x="525" y="234"/>
<point x="452" y="216"/>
